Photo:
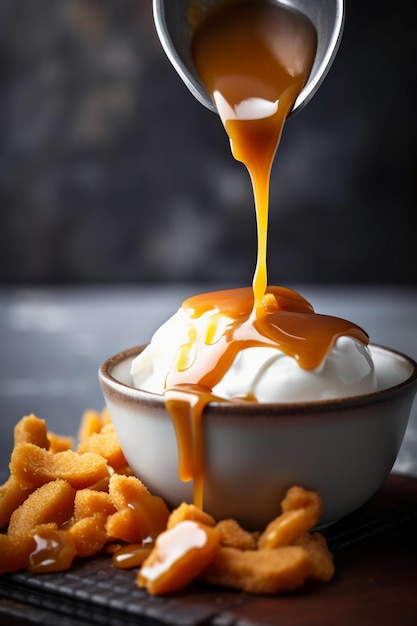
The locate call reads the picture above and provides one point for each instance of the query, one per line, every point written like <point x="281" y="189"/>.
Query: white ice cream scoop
<point x="265" y="373"/>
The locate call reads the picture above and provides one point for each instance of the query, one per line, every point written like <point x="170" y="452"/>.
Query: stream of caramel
<point x="254" y="57"/>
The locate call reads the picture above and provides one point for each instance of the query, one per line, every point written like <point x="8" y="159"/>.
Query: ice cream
<point x="266" y="373"/>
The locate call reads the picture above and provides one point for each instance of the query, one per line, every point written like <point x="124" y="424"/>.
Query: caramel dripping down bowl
<point x="342" y="448"/>
<point x="176" y="23"/>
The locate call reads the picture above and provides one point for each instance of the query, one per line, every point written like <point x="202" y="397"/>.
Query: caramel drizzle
<point x="254" y="59"/>
<point x="287" y="323"/>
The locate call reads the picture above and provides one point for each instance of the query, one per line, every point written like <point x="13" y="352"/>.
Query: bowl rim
<point x="152" y="400"/>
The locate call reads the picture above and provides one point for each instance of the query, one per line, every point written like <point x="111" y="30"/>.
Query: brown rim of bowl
<point x="314" y="406"/>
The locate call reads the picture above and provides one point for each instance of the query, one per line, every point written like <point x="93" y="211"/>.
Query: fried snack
<point x="301" y="511"/>
<point x="233" y="535"/>
<point x="53" y="502"/>
<point x="49" y="521"/>
<point x="179" y="556"/>
<point x="131" y="555"/>
<point x="89" y="534"/>
<point x="280" y="559"/>
<point x="92" y="422"/>
<point x="34" y="466"/>
<point x="14" y="555"/>
<point x="189" y="512"/>
<point x="139" y="515"/>
<point x="31" y="429"/>
<point x="124" y="490"/>
<point x="299" y="498"/>
<point x="88" y="502"/>
<point x="59" y="443"/>
<point x="278" y="563"/>
<point x="123" y="526"/>
<point x="142" y="523"/>
<point x="286" y="553"/>
<point x="12" y="494"/>
<point x="100" y="485"/>
<point x="321" y="558"/>
<point x="88" y="528"/>
<point x="274" y="570"/>
<point x="106" y="444"/>
<point x="59" y="504"/>
<point x="259" y="571"/>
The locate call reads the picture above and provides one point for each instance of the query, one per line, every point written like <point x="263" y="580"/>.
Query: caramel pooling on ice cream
<point x="254" y="59"/>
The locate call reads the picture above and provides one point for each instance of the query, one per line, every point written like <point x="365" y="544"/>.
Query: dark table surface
<point x="53" y="341"/>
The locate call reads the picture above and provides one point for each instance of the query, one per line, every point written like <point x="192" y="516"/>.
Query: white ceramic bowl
<point x="344" y="449"/>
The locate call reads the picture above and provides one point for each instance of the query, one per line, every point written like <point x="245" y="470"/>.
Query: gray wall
<point x="110" y="171"/>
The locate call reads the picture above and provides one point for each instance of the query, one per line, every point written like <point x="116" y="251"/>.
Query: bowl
<point x="254" y="452"/>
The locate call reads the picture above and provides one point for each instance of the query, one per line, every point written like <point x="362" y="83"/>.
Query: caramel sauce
<point x="173" y="546"/>
<point x="132" y="555"/>
<point x="254" y="57"/>
<point x="54" y="551"/>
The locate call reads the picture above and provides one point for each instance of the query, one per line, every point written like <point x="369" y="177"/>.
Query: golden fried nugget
<point x="286" y="528"/>
<point x="180" y="555"/>
<point x="320" y="555"/>
<point x="148" y="514"/>
<point x="100" y="485"/>
<point x="124" y="490"/>
<point x="259" y="571"/>
<point x="139" y="514"/>
<point x="106" y="444"/>
<point x="301" y="511"/>
<point x="48" y="488"/>
<point x="189" y="512"/>
<point x="12" y="494"/>
<point x="233" y="535"/>
<point x="123" y="525"/>
<point x="89" y="534"/>
<point x="52" y="502"/>
<point x="59" y="443"/>
<point x="14" y="554"/>
<point x="300" y="498"/>
<point x="59" y="504"/>
<point x="129" y="556"/>
<point x="124" y="470"/>
<point x="88" y="502"/>
<point x="32" y="465"/>
<point x="92" y="422"/>
<point x="31" y="429"/>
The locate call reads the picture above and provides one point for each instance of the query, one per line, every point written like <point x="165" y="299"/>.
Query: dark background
<point x="111" y="172"/>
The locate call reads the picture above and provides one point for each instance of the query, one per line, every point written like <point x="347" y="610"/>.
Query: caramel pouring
<point x="254" y="57"/>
